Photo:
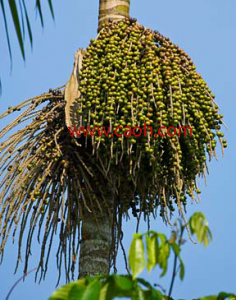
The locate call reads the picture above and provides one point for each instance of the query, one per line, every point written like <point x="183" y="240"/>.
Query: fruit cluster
<point x="131" y="76"/>
<point x="42" y="178"/>
<point x="47" y="178"/>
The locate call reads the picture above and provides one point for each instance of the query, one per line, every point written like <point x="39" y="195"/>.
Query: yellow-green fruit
<point x="135" y="76"/>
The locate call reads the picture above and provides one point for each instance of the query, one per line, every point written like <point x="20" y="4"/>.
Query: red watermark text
<point x="129" y="131"/>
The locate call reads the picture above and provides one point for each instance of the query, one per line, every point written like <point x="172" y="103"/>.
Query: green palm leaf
<point x="39" y="9"/>
<point x="15" y="17"/>
<point x="6" y="28"/>
<point x="51" y="8"/>
<point x="28" y="23"/>
<point x="21" y="20"/>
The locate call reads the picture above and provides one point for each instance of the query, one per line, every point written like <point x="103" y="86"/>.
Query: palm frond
<point x="21" y="21"/>
<point x="39" y="9"/>
<point x="16" y="21"/>
<point x="51" y="8"/>
<point x="27" y="23"/>
<point x="6" y="28"/>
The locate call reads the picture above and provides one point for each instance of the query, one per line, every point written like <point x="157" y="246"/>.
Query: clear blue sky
<point x="206" y="30"/>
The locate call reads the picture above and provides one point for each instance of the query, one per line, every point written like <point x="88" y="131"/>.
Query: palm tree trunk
<point x="112" y="9"/>
<point x="96" y="242"/>
<point x="95" y="245"/>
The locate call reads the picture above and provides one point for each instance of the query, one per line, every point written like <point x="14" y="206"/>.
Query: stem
<point x="95" y="245"/>
<point x="175" y="264"/>
<point x="113" y="10"/>
<point x="173" y="276"/>
<point x="15" y="284"/>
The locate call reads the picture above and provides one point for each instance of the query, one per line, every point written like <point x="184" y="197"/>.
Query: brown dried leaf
<point x="72" y="91"/>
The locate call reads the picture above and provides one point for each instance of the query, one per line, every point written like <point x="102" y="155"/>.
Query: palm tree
<point x="128" y="77"/>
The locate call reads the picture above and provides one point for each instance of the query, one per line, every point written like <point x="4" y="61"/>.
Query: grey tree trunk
<point x="95" y="245"/>
<point x="96" y="236"/>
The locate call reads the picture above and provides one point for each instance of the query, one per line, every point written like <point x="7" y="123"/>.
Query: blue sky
<point x="206" y="30"/>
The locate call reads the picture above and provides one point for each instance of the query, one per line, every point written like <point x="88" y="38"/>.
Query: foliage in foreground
<point x="158" y="249"/>
<point x="109" y="287"/>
